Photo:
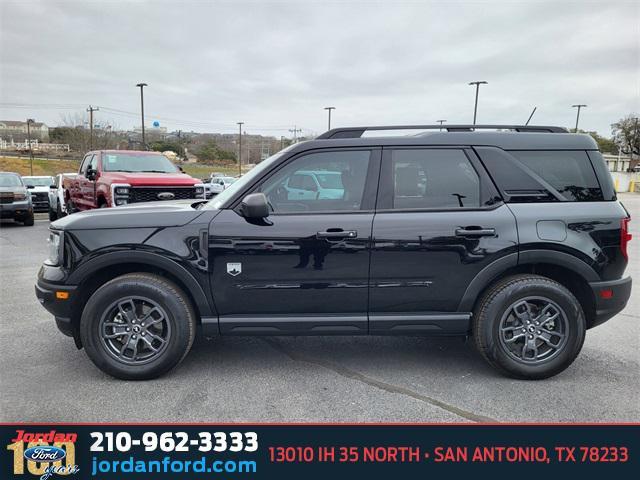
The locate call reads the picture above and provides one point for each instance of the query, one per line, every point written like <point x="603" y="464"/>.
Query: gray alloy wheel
<point x="135" y="330"/>
<point x="533" y="329"/>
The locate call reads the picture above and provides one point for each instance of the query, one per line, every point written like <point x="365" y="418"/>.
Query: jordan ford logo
<point x="166" y="196"/>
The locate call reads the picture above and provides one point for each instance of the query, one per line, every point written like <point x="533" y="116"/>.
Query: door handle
<point x="475" y="232"/>
<point x="337" y="233"/>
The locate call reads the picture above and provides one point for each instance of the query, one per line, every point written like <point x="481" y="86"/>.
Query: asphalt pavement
<point x="43" y="377"/>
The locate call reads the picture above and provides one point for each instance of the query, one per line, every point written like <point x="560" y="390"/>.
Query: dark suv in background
<point x="511" y="235"/>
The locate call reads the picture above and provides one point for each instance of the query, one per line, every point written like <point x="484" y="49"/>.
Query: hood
<point x="151" y="179"/>
<point x="152" y="214"/>
<point x="14" y="189"/>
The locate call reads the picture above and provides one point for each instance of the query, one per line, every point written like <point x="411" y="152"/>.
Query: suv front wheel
<point x="529" y="327"/>
<point x="137" y="326"/>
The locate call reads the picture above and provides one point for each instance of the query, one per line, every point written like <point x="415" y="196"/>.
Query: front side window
<point x="326" y="181"/>
<point x="432" y="178"/>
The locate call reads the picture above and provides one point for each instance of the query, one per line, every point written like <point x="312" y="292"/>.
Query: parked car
<point x="219" y="184"/>
<point x="308" y="185"/>
<point x="110" y="178"/>
<point x="57" y="207"/>
<point x="39" y="188"/>
<point x="515" y="238"/>
<point x="15" y="200"/>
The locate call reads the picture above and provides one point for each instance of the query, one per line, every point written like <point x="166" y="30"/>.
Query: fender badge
<point x="234" y="269"/>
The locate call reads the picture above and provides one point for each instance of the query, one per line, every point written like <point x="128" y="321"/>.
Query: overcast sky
<point x="274" y="64"/>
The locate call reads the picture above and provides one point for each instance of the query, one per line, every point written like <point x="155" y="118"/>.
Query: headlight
<point x="199" y="190"/>
<point x="122" y="190"/>
<point x="121" y="201"/>
<point x="20" y="196"/>
<point x="54" y="248"/>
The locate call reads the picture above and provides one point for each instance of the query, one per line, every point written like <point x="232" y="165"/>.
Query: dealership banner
<point x="283" y="451"/>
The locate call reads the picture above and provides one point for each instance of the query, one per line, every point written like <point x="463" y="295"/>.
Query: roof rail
<point x="357" y="132"/>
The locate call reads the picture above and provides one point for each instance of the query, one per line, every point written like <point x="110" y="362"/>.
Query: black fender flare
<point x="494" y="269"/>
<point x="205" y="309"/>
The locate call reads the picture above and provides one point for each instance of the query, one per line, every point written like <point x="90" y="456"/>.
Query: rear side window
<point x="432" y="178"/>
<point x="568" y="172"/>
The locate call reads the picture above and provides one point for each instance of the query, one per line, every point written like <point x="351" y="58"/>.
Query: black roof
<point x="512" y="137"/>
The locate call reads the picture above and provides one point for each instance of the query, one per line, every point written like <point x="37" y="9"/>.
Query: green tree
<point x="163" y="146"/>
<point x="626" y="134"/>
<point x="210" y="152"/>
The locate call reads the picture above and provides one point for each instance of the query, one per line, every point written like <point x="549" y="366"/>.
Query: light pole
<point x="240" y="147"/>
<point x="440" y="122"/>
<point x="29" y="122"/>
<point x="475" y="108"/>
<point x="91" y="110"/>
<point x="329" y="110"/>
<point x="142" y="85"/>
<point x="579" y="106"/>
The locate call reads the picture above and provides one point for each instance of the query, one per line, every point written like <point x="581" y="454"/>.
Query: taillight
<point x="625" y="236"/>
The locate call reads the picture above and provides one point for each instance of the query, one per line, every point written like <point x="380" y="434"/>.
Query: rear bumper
<point x="611" y="297"/>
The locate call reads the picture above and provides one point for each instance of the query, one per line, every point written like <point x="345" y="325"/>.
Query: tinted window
<point x="434" y="179"/>
<point x="569" y="172"/>
<point x="294" y="188"/>
<point x="137" y="162"/>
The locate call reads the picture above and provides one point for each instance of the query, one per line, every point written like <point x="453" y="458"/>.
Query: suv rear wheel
<point x="529" y="327"/>
<point x="137" y="326"/>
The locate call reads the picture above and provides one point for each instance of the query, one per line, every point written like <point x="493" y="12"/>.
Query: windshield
<point x="221" y="199"/>
<point x="330" y="180"/>
<point x="38" y="181"/>
<point x="10" y="180"/>
<point x="229" y="180"/>
<point x="137" y="162"/>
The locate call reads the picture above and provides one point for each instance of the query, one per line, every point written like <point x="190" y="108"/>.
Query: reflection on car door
<point x="305" y="269"/>
<point x="437" y="225"/>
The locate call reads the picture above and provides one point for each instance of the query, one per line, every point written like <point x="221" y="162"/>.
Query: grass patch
<point x="40" y="166"/>
<point x="43" y="166"/>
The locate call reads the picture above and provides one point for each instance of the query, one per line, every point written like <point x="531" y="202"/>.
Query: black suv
<point x="509" y="234"/>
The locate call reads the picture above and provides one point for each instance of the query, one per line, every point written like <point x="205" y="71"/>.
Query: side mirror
<point x="30" y="186"/>
<point x="53" y="187"/>
<point x="91" y="174"/>
<point x="254" y="206"/>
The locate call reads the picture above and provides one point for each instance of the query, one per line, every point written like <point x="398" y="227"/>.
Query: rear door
<point x="305" y="268"/>
<point x="439" y="221"/>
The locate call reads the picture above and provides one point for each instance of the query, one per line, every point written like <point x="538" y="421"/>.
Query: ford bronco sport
<point x="510" y="234"/>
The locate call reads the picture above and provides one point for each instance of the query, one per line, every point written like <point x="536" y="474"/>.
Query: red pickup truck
<point x="109" y="178"/>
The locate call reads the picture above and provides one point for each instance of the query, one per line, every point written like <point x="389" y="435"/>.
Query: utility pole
<point x="329" y="110"/>
<point x="91" y="110"/>
<point x="579" y="106"/>
<point x="475" y="108"/>
<point x="440" y="122"/>
<point x="281" y="142"/>
<point x="531" y="116"/>
<point x="240" y="147"/>
<point x="295" y="131"/>
<point x="29" y="122"/>
<point x="142" y="85"/>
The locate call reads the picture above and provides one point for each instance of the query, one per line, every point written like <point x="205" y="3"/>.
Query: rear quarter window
<point x="569" y="172"/>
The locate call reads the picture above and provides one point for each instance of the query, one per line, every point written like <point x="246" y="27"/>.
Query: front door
<point x="439" y="222"/>
<point x="88" y="186"/>
<point x="305" y="269"/>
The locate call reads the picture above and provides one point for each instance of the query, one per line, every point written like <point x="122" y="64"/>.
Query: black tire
<point x="29" y="221"/>
<point x="180" y="323"/>
<point x="496" y="339"/>
<point x="53" y="215"/>
<point x="70" y="207"/>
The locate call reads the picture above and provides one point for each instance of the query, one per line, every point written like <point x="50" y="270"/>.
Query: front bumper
<point x="60" y="308"/>
<point x="16" y="210"/>
<point x="611" y="297"/>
